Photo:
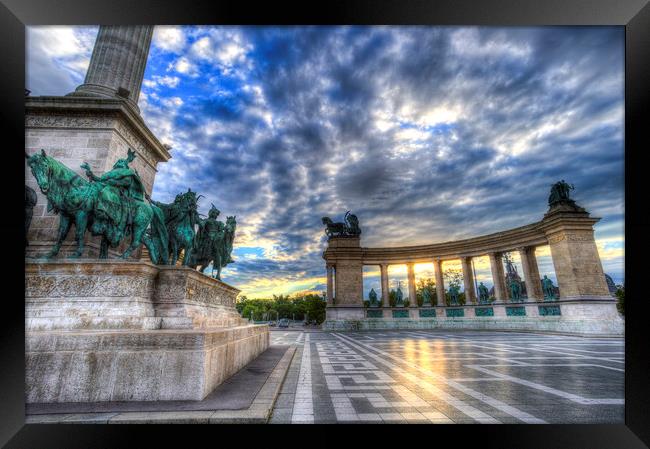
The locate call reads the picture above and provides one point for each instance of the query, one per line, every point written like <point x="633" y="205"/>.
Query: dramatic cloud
<point x="426" y="133"/>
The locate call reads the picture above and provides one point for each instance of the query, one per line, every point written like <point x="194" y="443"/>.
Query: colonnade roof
<point x="512" y="239"/>
<point x="531" y="235"/>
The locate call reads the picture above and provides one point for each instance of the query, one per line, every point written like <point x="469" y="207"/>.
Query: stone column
<point x="498" y="276"/>
<point x="468" y="280"/>
<point x="440" y="283"/>
<point x="384" y="285"/>
<point x="117" y="63"/>
<point x="413" y="302"/>
<point x="330" y="285"/>
<point x="575" y="255"/>
<point x="531" y="273"/>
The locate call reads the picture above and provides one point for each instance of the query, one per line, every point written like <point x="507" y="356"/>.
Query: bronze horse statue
<point x="181" y="218"/>
<point x="349" y="228"/>
<point x="100" y="207"/>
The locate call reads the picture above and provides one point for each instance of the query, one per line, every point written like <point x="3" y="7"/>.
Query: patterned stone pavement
<point x="442" y="377"/>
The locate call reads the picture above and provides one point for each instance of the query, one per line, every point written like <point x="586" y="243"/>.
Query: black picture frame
<point x="633" y="14"/>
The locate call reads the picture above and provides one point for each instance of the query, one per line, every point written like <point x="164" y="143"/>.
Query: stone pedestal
<point x="131" y="331"/>
<point x="575" y="256"/>
<point x="348" y="282"/>
<point x="74" y="130"/>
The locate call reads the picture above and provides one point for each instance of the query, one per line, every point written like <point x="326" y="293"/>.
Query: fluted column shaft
<point x="410" y="269"/>
<point x="468" y="280"/>
<point x="118" y="61"/>
<point x="384" y="285"/>
<point x="440" y="283"/>
<point x="531" y="273"/>
<point x="498" y="276"/>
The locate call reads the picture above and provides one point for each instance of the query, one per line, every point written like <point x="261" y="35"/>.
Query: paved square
<point x="442" y="377"/>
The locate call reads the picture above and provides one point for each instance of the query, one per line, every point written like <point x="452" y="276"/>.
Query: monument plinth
<point x="131" y="331"/>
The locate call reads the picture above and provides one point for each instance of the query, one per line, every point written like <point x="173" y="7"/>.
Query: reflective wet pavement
<point x="450" y="377"/>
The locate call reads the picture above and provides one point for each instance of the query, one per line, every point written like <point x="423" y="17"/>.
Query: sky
<point x="427" y="134"/>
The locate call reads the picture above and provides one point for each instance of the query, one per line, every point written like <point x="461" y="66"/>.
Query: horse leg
<point x="174" y="250"/>
<point x="81" y="221"/>
<point x="141" y="219"/>
<point x="103" y="248"/>
<point x="138" y="233"/>
<point x="151" y="246"/>
<point x="188" y="253"/>
<point x="64" y="228"/>
<point x="217" y="263"/>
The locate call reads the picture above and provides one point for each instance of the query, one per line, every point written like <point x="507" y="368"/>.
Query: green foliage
<point x="461" y="298"/>
<point x="366" y="303"/>
<point x="311" y="307"/>
<point x="453" y="277"/>
<point x="620" y="303"/>
<point x="406" y="303"/>
<point x="426" y="284"/>
<point x="392" y="298"/>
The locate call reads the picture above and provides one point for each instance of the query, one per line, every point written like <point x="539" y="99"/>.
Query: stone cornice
<point x="79" y="105"/>
<point x="534" y="234"/>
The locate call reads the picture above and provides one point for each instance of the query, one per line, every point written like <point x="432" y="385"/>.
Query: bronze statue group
<point x="116" y="206"/>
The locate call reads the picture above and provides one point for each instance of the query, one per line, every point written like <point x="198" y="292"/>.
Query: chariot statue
<point x="560" y="192"/>
<point x="348" y="228"/>
<point x="112" y="206"/>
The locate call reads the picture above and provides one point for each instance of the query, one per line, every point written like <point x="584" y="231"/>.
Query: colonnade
<point x="529" y="264"/>
<point x="567" y="230"/>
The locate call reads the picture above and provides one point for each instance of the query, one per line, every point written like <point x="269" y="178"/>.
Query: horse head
<point x="231" y="223"/>
<point x="40" y="166"/>
<point x="327" y="221"/>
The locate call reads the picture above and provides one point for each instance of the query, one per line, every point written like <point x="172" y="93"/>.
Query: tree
<point x="454" y="278"/>
<point x="392" y="298"/>
<point x="315" y="307"/>
<point x="283" y="306"/>
<point x="426" y="284"/>
<point x="301" y="306"/>
<point x="620" y="295"/>
<point x="240" y="303"/>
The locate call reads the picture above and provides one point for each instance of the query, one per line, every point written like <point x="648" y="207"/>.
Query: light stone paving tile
<point x="470" y="411"/>
<point x="369" y="417"/>
<point x="519" y="414"/>
<point x="303" y="407"/>
<point x="563" y="394"/>
<point x="335" y="360"/>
